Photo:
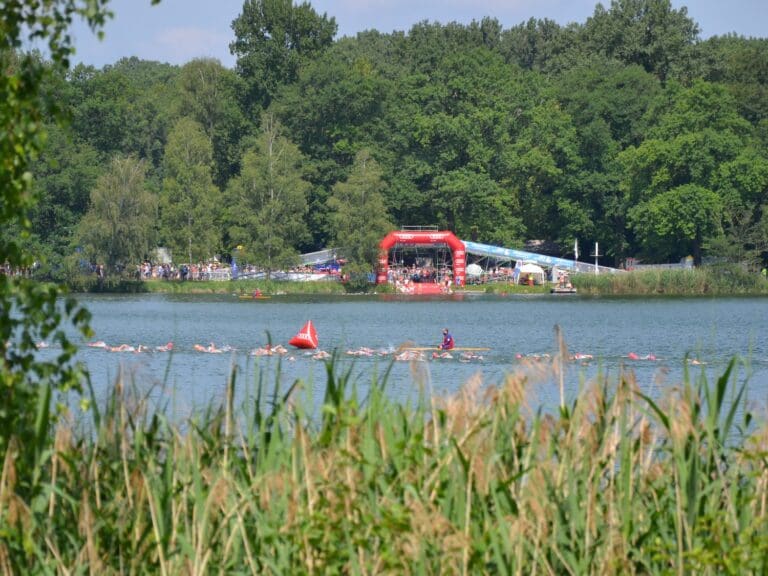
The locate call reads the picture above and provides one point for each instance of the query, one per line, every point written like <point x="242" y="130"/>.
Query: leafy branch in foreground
<point x="30" y="312"/>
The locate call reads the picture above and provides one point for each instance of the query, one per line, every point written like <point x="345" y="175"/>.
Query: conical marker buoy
<point x="306" y="338"/>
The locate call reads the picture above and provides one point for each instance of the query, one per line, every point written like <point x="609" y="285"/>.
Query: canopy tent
<point x="474" y="270"/>
<point x="529" y="270"/>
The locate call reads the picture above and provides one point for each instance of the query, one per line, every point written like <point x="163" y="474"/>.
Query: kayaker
<point x="448" y="343"/>
<point x="257" y="293"/>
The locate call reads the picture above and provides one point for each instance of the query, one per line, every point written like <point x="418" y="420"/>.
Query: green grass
<point x="614" y="483"/>
<point x="508" y="288"/>
<point x="207" y="287"/>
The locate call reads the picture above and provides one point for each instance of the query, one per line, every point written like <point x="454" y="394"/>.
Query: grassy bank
<point x="614" y="484"/>
<point x="123" y="286"/>
<point x="245" y="287"/>
<point x="509" y="288"/>
<point x="713" y="281"/>
<point x="707" y="281"/>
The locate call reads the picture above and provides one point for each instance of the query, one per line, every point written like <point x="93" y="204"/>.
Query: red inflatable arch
<point x="426" y="238"/>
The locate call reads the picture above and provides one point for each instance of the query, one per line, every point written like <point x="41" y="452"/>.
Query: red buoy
<point x="306" y="338"/>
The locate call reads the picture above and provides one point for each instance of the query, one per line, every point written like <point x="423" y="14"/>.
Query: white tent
<point x="528" y="269"/>
<point x="474" y="270"/>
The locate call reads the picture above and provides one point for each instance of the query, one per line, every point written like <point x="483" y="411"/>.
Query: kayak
<point x="251" y="297"/>
<point x="456" y="349"/>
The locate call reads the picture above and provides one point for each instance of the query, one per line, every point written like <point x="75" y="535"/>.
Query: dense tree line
<point x="627" y="129"/>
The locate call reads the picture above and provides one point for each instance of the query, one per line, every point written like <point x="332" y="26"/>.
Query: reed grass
<point x="705" y="281"/>
<point x="615" y="482"/>
<point x="510" y="288"/>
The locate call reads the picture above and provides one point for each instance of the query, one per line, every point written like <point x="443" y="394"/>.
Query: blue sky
<point x="177" y="31"/>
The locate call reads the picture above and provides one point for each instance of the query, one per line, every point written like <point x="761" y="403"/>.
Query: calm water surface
<point x="671" y="329"/>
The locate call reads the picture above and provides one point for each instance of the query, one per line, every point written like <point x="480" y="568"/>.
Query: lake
<point x="652" y="336"/>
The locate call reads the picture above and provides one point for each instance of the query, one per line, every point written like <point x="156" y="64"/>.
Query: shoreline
<point x="709" y="282"/>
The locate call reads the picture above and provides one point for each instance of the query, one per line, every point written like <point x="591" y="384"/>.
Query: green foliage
<point x="740" y="64"/>
<point x="358" y="219"/>
<point x="607" y="92"/>
<point x="674" y="224"/>
<point x="649" y="33"/>
<point x="30" y="312"/>
<point x="539" y="131"/>
<point x="209" y="94"/>
<point x="118" y="230"/>
<point x="541" y="45"/>
<point x="65" y="173"/>
<point x="190" y="203"/>
<point x="124" y="284"/>
<point x="266" y="204"/>
<point x="720" y="280"/>
<point x="273" y="38"/>
<point x="124" y="108"/>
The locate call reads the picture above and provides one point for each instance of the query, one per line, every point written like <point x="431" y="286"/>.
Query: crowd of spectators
<point x="27" y="271"/>
<point x="496" y="274"/>
<point x="213" y="271"/>
<point x="404" y="277"/>
<point x="200" y="271"/>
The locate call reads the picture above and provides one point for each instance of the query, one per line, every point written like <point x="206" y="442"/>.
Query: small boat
<point x="563" y="285"/>
<point x="252" y="297"/>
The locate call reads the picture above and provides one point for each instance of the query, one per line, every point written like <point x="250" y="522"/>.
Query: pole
<point x="596" y="255"/>
<point x="575" y="253"/>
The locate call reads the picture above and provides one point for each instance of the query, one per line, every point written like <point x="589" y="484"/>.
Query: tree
<point x="125" y="108"/>
<point x="65" y="173"/>
<point x="118" y="228"/>
<point x="744" y="239"/>
<point x="209" y="93"/>
<point x="272" y="39"/>
<point x="695" y="144"/>
<point x="541" y="45"/>
<point x="469" y="200"/>
<point x="539" y="163"/>
<point x="333" y="110"/>
<point x="358" y="217"/>
<point x="675" y="223"/>
<point x="608" y="102"/>
<point x="266" y="204"/>
<point x="741" y="64"/>
<point x="449" y="135"/>
<point x="190" y="202"/>
<point x="646" y="32"/>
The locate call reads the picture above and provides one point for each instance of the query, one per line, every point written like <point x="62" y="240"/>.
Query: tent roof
<point x="529" y="268"/>
<point x="474" y="270"/>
